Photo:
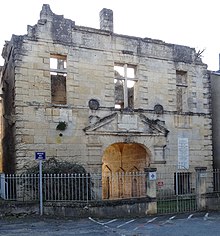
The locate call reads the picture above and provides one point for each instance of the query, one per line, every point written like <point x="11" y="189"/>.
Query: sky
<point x="192" y="23"/>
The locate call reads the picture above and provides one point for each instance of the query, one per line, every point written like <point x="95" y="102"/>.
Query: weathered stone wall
<point x="215" y="85"/>
<point x="91" y="55"/>
<point x="104" y="209"/>
<point x="8" y="110"/>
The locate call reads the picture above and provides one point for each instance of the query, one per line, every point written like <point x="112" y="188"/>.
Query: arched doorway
<point x="122" y="165"/>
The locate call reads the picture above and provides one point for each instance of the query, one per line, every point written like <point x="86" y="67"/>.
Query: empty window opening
<point x="58" y="73"/>
<point x="181" y="90"/>
<point x="124" y="86"/>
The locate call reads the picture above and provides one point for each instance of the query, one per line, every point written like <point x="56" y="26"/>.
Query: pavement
<point x="201" y="224"/>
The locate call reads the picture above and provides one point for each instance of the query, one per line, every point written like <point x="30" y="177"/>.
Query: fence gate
<point x="176" y="191"/>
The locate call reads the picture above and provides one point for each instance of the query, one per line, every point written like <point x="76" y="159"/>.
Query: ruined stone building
<point x="109" y="102"/>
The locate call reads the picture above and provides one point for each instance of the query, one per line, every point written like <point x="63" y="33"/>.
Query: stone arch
<point x="121" y="167"/>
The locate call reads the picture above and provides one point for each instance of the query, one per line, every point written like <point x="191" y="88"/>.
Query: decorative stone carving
<point x="127" y="124"/>
<point x="94" y="104"/>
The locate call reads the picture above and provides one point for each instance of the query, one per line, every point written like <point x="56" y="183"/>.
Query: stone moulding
<point x="152" y="127"/>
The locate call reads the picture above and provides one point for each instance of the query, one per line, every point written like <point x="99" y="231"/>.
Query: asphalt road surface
<point x="201" y="224"/>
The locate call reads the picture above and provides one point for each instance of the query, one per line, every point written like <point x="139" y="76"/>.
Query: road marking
<point x="95" y="221"/>
<point x="149" y="221"/>
<point x="102" y="223"/>
<point x="138" y="227"/>
<point x="190" y="216"/>
<point x="206" y="216"/>
<point x="171" y="218"/>
<point x="106" y="226"/>
<point x="109" y="222"/>
<point x="128" y="222"/>
<point x="169" y="221"/>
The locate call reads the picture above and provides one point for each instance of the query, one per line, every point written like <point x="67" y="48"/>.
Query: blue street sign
<point x="40" y="156"/>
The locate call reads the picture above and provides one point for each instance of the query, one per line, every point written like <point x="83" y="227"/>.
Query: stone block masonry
<point x="118" y="95"/>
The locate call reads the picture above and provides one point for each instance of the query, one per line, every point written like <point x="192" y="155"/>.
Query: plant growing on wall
<point x="62" y="125"/>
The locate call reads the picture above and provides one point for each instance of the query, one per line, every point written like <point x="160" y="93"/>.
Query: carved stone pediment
<point x="155" y="126"/>
<point x="119" y="123"/>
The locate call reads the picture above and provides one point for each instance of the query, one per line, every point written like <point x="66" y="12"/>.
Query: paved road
<point x="201" y="224"/>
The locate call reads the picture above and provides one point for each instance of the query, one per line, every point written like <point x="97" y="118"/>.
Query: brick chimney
<point x="106" y="19"/>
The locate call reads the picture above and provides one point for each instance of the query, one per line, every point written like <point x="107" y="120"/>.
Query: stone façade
<point x="31" y="117"/>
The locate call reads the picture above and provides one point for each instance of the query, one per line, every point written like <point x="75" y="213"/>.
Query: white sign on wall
<point x="183" y="153"/>
<point x="152" y="175"/>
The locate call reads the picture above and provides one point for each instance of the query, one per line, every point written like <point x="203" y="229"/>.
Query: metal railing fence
<point x="56" y="187"/>
<point x="215" y="174"/>
<point x="20" y="187"/>
<point x="176" y="191"/>
<point x="73" y="187"/>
